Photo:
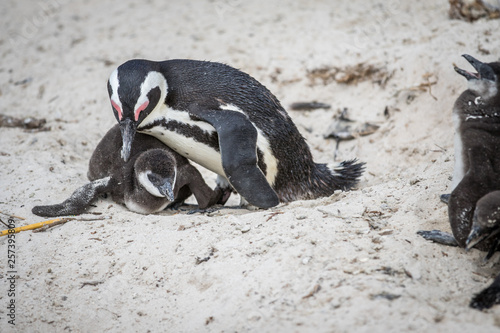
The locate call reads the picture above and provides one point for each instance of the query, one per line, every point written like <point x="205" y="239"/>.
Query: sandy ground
<point x="349" y="263"/>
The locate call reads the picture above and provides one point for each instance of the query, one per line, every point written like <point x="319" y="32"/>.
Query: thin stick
<point x="53" y="224"/>
<point x="14" y="216"/>
<point x="32" y="226"/>
<point x="48" y="224"/>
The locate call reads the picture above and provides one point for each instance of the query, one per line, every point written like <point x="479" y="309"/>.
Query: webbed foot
<point x="438" y="236"/>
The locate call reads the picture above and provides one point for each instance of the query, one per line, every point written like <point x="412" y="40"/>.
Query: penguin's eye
<point x="118" y="109"/>
<point x="140" y="109"/>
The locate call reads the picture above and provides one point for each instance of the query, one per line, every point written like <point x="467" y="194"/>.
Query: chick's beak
<point x="484" y="71"/>
<point x="167" y="190"/>
<point x="476" y="235"/>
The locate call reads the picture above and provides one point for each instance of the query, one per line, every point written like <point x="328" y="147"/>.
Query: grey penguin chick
<point x="487" y="297"/>
<point x="153" y="178"/>
<point x="473" y="206"/>
<point x="476" y="116"/>
<point x="471" y="105"/>
<point x="477" y="143"/>
<point x="229" y="123"/>
<point x="486" y="225"/>
<point x="486" y="221"/>
<point x="476" y="106"/>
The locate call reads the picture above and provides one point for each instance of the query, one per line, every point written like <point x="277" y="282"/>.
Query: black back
<point x="211" y="84"/>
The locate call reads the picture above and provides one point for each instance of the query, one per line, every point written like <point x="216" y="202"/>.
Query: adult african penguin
<point x="153" y="178"/>
<point x="229" y="123"/>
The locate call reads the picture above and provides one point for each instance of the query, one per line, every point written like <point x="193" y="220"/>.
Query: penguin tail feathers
<point x="78" y="202"/>
<point x="348" y="173"/>
<point x="343" y="176"/>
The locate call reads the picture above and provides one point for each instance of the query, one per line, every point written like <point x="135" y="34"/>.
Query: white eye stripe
<point x="114" y="83"/>
<point x="152" y="80"/>
<point x="175" y="177"/>
<point x="143" y="179"/>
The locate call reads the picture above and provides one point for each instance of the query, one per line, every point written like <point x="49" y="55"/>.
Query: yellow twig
<point x="32" y="226"/>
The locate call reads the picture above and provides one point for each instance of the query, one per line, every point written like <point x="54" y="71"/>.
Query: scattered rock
<point x="205" y="258"/>
<point x="23" y="82"/>
<point x="306" y="260"/>
<point x="314" y="290"/>
<point x="386" y="295"/>
<point x="344" y="128"/>
<point x="386" y="232"/>
<point x="270" y="243"/>
<point x="243" y="228"/>
<point x="414" y="181"/>
<point x="308" y="106"/>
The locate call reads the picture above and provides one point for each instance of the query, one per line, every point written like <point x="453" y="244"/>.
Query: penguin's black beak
<point x="167" y="191"/>
<point x="484" y="71"/>
<point x="476" y="235"/>
<point x="164" y="185"/>
<point x="128" y="129"/>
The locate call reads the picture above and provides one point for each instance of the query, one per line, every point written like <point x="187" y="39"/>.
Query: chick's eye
<point x="118" y="109"/>
<point x="140" y="109"/>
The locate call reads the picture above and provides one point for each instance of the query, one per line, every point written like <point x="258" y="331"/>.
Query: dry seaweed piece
<point x="29" y="123"/>
<point x="422" y="87"/>
<point x="350" y="74"/>
<point x="308" y="106"/>
<point x="344" y="128"/>
<point x="472" y="10"/>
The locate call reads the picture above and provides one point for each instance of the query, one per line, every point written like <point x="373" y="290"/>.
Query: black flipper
<point x="189" y="180"/>
<point x="439" y="237"/>
<point x="488" y="297"/>
<point x="181" y="193"/>
<point x="79" y="201"/>
<point x="492" y="250"/>
<point x="238" y="148"/>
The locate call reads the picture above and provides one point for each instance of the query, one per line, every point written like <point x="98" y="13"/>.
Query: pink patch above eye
<point x="140" y="109"/>
<point x="118" y="109"/>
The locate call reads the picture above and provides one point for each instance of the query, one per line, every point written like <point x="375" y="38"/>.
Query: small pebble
<point x="245" y="229"/>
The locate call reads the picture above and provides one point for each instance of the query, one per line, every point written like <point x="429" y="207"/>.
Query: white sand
<point x="266" y="266"/>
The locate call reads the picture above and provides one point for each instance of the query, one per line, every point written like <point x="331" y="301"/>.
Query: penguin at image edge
<point x="474" y="203"/>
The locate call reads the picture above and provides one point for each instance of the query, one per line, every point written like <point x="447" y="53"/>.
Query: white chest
<point x="182" y="142"/>
<point x="190" y="146"/>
